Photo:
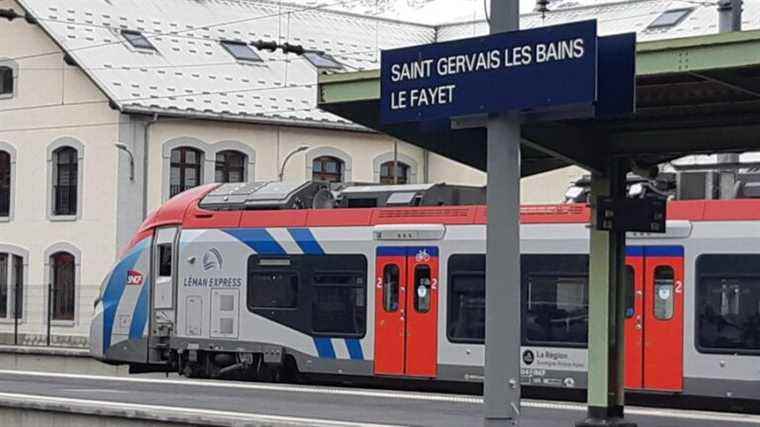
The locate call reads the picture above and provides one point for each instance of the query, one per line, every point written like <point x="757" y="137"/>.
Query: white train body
<point x="398" y="292"/>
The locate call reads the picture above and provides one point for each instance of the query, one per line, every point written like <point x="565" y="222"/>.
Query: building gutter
<point x="187" y="115"/>
<point x="146" y="150"/>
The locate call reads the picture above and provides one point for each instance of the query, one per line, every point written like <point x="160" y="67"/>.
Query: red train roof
<point x="183" y="209"/>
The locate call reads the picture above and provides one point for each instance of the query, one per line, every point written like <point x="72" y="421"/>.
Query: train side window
<point x="663" y="292"/>
<point x="728" y="303"/>
<point x="422" y="284"/>
<point x="164" y="260"/>
<point x="390" y="287"/>
<point x="273" y="289"/>
<point x="339" y="307"/>
<point x="555" y="299"/>
<point x="466" y="322"/>
<point x="557" y="309"/>
<point x="630" y="292"/>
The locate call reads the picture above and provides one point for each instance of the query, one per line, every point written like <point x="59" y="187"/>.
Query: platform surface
<point x="377" y="407"/>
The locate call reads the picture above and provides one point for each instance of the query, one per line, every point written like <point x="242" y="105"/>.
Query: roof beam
<point x="689" y="140"/>
<point x="711" y="52"/>
<point x="732" y="81"/>
<point x="569" y="144"/>
<point x="349" y="87"/>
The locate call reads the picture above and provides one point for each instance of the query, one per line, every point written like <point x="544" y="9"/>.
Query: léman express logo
<point x="212" y="260"/>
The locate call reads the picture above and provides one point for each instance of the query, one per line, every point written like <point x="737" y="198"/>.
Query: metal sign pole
<point x="606" y="330"/>
<point x="502" y="365"/>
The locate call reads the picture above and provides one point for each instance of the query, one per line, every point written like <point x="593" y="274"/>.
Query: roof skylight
<point x="241" y="51"/>
<point x="137" y="39"/>
<point x="321" y="60"/>
<point x="669" y="18"/>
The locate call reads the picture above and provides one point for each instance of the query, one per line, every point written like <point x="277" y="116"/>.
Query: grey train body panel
<point x="213" y="313"/>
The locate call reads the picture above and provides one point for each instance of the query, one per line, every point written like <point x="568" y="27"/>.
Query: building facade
<point x="108" y="109"/>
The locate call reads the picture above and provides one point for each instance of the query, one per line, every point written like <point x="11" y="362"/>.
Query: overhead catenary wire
<point x="130" y="67"/>
<point x="126" y="101"/>
<point x="175" y="33"/>
<point x="211" y="39"/>
<point x="178" y="95"/>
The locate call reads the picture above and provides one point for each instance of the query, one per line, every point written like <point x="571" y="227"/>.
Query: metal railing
<point x="65" y="200"/>
<point x="5" y="201"/>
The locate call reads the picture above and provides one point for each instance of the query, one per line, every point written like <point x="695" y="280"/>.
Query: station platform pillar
<point x="606" y="330"/>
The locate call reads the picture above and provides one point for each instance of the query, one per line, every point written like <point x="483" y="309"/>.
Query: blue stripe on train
<point x="257" y="239"/>
<point x="115" y="289"/>
<point x="654" y="251"/>
<point x="406" y="250"/>
<point x="306" y="241"/>
<point x="140" y="315"/>
<point x="354" y="349"/>
<point x="324" y="347"/>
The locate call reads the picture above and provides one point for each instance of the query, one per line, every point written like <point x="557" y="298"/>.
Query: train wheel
<point x="289" y="370"/>
<point x="191" y="370"/>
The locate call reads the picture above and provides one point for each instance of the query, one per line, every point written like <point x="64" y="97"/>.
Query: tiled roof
<point x="622" y="17"/>
<point x="191" y="74"/>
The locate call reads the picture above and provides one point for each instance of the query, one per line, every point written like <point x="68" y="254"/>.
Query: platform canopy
<point x="694" y="95"/>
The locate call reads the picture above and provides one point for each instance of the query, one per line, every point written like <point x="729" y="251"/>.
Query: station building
<point x="107" y="109"/>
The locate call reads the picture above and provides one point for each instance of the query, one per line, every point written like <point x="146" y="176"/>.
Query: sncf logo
<point x="134" y="277"/>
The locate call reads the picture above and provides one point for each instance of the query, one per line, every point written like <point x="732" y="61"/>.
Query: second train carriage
<point x="208" y="287"/>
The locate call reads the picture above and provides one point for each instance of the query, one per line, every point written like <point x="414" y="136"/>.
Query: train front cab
<point x="135" y="312"/>
<point x="134" y="315"/>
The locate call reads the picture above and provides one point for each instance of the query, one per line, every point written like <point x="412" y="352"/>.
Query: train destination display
<point x="537" y="69"/>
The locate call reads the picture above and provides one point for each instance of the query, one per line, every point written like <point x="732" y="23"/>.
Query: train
<point x="271" y="280"/>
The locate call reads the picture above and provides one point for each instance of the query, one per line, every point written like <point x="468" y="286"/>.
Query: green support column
<point x="606" y="333"/>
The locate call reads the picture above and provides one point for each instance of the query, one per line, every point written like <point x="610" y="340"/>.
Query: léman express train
<point x="268" y="280"/>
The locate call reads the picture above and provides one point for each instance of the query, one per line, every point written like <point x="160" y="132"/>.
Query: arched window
<point x="327" y="169"/>
<point x="185" y="170"/>
<point x="230" y="166"/>
<point x="65" y="181"/>
<point x="5" y="184"/>
<point x="6" y="81"/>
<point x="63" y="279"/>
<point x="394" y="175"/>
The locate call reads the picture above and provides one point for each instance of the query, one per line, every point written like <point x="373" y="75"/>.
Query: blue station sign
<point x="542" y="69"/>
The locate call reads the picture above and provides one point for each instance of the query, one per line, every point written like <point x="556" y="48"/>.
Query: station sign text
<point x="540" y="69"/>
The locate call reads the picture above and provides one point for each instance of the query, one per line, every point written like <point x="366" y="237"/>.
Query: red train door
<point x="634" y="321"/>
<point x="654" y="318"/>
<point x="390" y="306"/>
<point x="663" y="318"/>
<point x="406" y="311"/>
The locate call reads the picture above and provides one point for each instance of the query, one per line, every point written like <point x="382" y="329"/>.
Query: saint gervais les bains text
<point x="472" y="63"/>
